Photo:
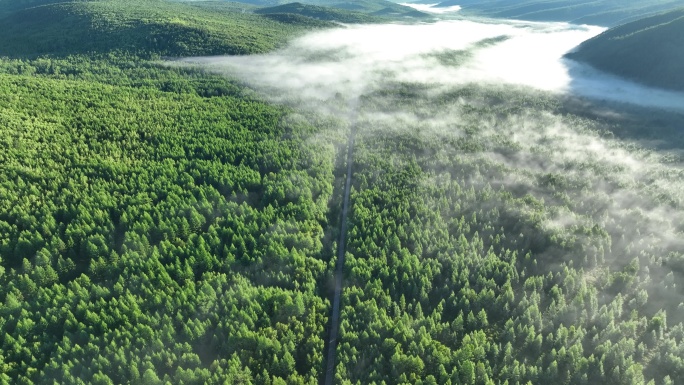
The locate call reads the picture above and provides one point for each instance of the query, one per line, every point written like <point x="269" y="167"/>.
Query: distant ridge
<point x="327" y="8"/>
<point x="597" y="12"/>
<point x="317" y="12"/>
<point x="649" y="50"/>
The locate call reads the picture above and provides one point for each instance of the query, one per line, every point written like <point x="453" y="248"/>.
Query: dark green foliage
<point x="378" y="8"/>
<point x="316" y="12"/>
<point x="145" y="27"/>
<point x="338" y="10"/>
<point x="604" y="12"/>
<point x="648" y="50"/>
<point x="8" y="7"/>
<point x="293" y="18"/>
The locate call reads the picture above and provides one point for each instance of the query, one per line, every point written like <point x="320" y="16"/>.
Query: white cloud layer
<point x="433" y="8"/>
<point x="356" y="58"/>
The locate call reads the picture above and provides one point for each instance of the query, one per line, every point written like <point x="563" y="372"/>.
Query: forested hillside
<point x="648" y="50"/>
<point x="602" y="12"/>
<point x="379" y="8"/>
<point x="7" y="7"/>
<point x="156" y="224"/>
<point x="149" y="27"/>
<point x="316" y="12"/>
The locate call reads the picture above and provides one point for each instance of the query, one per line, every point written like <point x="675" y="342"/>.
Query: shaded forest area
<point x="605" y="12"/>
<point x="647" y="51"/>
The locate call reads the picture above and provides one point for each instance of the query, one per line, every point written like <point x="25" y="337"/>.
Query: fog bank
<point x="432" y="8"/>
<point x="445" y="53"/>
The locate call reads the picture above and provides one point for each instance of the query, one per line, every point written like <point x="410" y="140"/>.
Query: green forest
<point x="161" y="224"/>
<point x="456" y="274"/>
<point x="603" y="12"/>
<point x="157" y="225"/>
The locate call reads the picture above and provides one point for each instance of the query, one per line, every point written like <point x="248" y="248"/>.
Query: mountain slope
<point x="378" y="8"/>
<point x="382" y="8"/>
<point x="7" y="7"/>
<point x="602" y="12"/>
<point x="317" y="12"/>
<point x="648" y="50"/>
<point x="150" y="27"/>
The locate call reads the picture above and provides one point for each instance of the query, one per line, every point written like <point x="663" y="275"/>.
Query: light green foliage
<point x="158" y="226"/>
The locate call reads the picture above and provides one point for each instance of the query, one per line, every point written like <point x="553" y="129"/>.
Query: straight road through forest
<point x="339" y="267"/>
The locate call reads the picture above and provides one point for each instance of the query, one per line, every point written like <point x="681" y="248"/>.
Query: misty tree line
<point x="454" y="275"/>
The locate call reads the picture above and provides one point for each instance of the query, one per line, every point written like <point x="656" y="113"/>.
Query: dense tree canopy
<point x="176" y="231"/>
<point x="159" y="224"/>
<point x="456" y="272"/>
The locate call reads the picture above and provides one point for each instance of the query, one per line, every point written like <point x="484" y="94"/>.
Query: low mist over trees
<point x="467" y="265"/>
<point x="161" y="224"/>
